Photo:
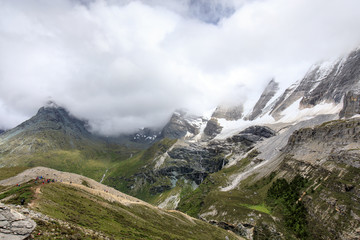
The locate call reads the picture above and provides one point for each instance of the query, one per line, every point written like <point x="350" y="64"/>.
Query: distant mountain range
<point x="287" y="169"/>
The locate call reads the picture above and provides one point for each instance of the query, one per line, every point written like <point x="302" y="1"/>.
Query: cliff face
<point x="326" y="82"/>
<point x="265" y="97"/>
<point x="342" y="77"/>
<point x="212" y="129"/>
<point x="328" y="155"/>
<point x="230" y="113"/>
<point x="314" y="145"/>
<point x="351" y="105"/>
<point x="180" y="124"/>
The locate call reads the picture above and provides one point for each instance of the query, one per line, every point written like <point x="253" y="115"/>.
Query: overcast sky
<point x="126" y="64"/>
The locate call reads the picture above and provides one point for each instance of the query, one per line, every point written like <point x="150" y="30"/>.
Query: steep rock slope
<point x="182" y="124"/>
<point x="327" y="159"/>
<point x="229" y="113"/>
<point x="268" y="93"/>
<point x="325" y="82"/>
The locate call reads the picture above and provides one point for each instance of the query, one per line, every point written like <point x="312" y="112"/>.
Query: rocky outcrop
<point x="265" y="97"/>
<point x="145" y="136"/>
<point x="331" y="139"/>
<point x="189" y="163"/>
<point x="230" y="113"/>
<point x="193" y="163"/>
<point x="212" y="128"/>
<point x="14" y="225"/>
<point x="351" y="105"/>
<point x="180" y="124"/>
<point x="251" y="135"/>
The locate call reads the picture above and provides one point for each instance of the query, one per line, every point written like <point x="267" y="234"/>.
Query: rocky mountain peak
<point x="51" y="128"/>
<point x="340" y="77"/>
<point x="181" y="124"/>
<point x="326" y="82"/>
<point x="53" y="117"/>
<point x="268" y="93"/>
<point x="229" y="112"/>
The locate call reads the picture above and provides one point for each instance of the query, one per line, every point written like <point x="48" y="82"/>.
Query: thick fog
<point x="125" y="64"/>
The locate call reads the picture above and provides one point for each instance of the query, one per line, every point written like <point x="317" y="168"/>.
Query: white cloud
<point x="128" y="64"/>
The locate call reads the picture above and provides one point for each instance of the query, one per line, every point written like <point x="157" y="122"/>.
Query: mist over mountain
<point x="126" y="65"/>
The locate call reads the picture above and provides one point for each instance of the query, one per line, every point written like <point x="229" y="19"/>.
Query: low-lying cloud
<point x="127" y="64"/>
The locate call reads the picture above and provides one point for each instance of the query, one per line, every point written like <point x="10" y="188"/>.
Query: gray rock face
<point x="55" y="118"/>
<point x="145" y="136"/>
<point x="179" y="124"/>
<point x="14" y="225"/>
<point x="337" y="134"/>
<point x="265" y="97"/>
<point x="327" y="82"/>
<point x="54" y="123"/>
<point x="344" y="76"/>
<point x="1" y="131"/>
<point x="351" y="105"/>
<point x="230" y="113"/>
<point x="296" y="92"/>
<point x="251" y="135"/>
<point x="192" y="163"/>
<point x="212" y="128"/>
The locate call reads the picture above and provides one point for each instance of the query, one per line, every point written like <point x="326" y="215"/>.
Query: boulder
<point x="14" y="225"/>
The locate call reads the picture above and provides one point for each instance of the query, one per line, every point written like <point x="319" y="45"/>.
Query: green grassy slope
<point x="83" y="210"/>
<point x="121" y="175"/>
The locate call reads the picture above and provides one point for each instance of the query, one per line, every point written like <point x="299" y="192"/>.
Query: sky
<point x="123" y="64"/>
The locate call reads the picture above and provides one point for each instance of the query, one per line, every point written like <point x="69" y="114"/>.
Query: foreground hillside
<point x="76" y="207"/>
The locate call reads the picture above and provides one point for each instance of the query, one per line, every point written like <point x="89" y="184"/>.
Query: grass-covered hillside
<point x="76" y="211"/>
<point x="123" y="175"/>
<point x="53" y="138"/>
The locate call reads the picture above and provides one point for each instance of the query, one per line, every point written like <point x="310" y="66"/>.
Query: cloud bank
<point x="125" y="64"/>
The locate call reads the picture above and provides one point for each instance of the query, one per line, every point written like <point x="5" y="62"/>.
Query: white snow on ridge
<point x="325" y="69"/>
<point x="291" y="115"/>
<point x="232" y="127"/>
<point x="294" y="114"/>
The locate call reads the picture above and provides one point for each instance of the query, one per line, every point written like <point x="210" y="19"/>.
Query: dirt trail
<point x="76" y="180"/>
<point x="72" y="179"/>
